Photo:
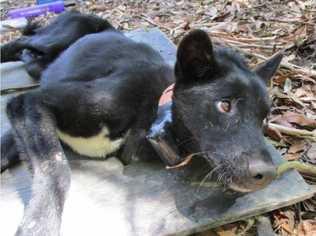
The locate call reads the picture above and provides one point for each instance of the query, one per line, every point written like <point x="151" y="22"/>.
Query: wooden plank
<point x="107" y="198"/>
<point x="146" y="199"/>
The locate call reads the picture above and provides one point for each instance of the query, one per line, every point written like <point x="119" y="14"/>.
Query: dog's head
<point x="219" y="105"/>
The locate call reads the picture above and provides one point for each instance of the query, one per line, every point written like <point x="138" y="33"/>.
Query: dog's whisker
<point x="207" y="176"/>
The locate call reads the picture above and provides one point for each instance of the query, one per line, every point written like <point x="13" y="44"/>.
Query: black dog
<point x="39" y="46"/>
<point x="101" y="95"/>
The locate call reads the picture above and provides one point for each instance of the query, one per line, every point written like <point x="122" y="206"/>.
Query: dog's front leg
<point x="34" y="131"/>
<point x="12" y="51"/>
<point x="132" y="145"/>
<point x="136" y="146"/>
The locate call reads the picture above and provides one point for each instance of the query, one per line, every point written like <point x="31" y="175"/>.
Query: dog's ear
<point x="267" y="69"/>
<point x="194" y="57"/>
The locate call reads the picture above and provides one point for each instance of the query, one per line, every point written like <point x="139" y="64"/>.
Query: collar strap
<point x="166" y="95"/>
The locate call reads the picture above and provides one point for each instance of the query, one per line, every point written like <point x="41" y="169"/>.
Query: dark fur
<point x="40" y="45"/>
<point x="110" y="79"/>
<point x="232" y="142"/>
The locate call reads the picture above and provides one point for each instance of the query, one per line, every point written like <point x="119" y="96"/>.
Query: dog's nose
<point x="261" y="172"/>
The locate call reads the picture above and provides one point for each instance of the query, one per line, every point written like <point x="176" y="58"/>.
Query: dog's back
<point x="102" y="87"/>
<point x="106" y="55"/>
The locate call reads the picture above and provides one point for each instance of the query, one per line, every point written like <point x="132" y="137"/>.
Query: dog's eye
<point x="224" y="106"/>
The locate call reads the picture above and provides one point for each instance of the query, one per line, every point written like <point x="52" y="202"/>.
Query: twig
<point x="276" y="92"/>
<point x="264" y="227"/>
<point x="183" y="163"/>
<point x="210" y="184"/>
<point x="186" y="161"/>
<point x="311" y="73"/>
<point x="311" y="10"/>
<point x="294" y="132"/>
<point x="249" y="224"/>
<point x="297" y="165"/>
<point x="295" y="99"/>
<point x="146" y="18"/>
<point x="247" y="45"/>
<point x="220" y="34"/>
<point x="288" y="21"/>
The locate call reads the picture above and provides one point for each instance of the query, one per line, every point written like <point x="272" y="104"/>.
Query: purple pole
<point x="42" y="9"/>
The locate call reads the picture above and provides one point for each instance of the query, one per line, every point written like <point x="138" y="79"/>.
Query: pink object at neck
<point x="166" y="95"/>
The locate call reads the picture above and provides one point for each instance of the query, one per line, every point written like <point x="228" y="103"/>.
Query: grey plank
<point x="156" y="39"/>
<point x="14" y="75"/>
<point x="146" y="199"/>
<point x="107" y="198"/>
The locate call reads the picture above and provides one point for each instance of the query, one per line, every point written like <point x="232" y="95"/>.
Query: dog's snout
<point x="261" y="172"/>
<point x="258" y="169"/>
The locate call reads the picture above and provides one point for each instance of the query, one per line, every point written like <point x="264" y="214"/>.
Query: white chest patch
<point x="99" y="145"/>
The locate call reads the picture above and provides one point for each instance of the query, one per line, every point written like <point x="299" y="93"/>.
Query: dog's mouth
<point x="240" y="189"/>
<point x="248" y="186"/>
<point x="240" y="186"/>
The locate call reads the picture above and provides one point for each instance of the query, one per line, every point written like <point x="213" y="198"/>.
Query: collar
<point x="160" y="137"/>
<point x="166" y="95"/>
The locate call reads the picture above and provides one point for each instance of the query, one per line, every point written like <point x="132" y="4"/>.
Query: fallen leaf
<point x="226" y="233"/>
<point x="273" y="133"/>
<point x="297" y="147"/>
<point x="311" y="153"/>
<point x="304" y="91"/>
<point x="284" y="221"/>
<point x="307" y="228"/>
<point x="279" y="80"/>
<point x="279" y="119"/>
<point x="287" y="86"/>
<point x="295" y="118"/>
<point x="292" y="156"/>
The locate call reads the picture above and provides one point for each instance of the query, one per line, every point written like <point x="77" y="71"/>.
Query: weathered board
<point x="107" y="198"/>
